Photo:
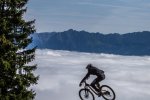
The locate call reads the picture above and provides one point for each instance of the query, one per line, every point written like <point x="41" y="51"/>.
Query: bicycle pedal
<point x="99" y="94"/>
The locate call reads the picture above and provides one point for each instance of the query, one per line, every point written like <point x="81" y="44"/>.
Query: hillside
<point x="137" y="43"/>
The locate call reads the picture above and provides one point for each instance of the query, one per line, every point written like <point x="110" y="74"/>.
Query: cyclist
<point x="94" y="71"/>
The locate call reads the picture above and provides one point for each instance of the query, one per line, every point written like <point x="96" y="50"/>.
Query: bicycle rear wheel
<point x="107" y="92"/>
<point x="86" y="94"/>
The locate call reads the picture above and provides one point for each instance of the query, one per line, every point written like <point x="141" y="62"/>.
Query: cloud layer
<point x="61" y="71"/>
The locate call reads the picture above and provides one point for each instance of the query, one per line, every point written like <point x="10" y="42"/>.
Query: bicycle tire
<point x="87" y="90"/>
<point x="110" y="90"/>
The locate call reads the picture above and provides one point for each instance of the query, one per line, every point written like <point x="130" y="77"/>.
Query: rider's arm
<point x="87" y="75"/>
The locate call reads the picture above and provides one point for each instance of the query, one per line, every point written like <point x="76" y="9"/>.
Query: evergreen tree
<point x="16" y="74"/>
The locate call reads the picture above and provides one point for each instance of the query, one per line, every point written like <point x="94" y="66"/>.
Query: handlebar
<point x="86" y="84"/>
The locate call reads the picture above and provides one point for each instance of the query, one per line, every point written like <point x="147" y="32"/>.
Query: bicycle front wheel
<point x="107" y="92"/>
<point x="86" y="94"/>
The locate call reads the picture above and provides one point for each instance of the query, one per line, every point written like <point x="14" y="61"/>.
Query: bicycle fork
<point x="86" y="93"/>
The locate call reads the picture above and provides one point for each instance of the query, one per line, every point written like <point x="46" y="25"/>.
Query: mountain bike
<point x="87" y="93"/>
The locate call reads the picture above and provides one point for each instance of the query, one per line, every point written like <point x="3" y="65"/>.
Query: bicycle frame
<point x="87" y="86"/>
<point x="103" y="92"/>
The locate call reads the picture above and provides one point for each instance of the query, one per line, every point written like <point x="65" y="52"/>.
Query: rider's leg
<point x="93" y="84"/>
<point x="100" y="78"/>
<point x="98" y="85"/>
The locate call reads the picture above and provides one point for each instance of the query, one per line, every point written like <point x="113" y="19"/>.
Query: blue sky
<point x="105" y="16"/>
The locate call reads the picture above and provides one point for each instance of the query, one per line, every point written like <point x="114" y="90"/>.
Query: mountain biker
<point x="94" y="71"/>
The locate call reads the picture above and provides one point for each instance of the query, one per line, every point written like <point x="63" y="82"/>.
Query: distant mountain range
<point x="136" y="43"/>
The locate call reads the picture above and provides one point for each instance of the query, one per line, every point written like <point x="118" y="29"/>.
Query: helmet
<point x="88" y="66"/>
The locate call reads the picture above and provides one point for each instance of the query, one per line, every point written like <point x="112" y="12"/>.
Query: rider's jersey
<point x="95" y="71"/>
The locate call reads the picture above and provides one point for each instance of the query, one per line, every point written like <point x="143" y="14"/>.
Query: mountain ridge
<point x="136" y="43"/>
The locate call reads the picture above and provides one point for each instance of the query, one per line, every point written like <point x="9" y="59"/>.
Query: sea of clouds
<point x="61" y="71"/>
